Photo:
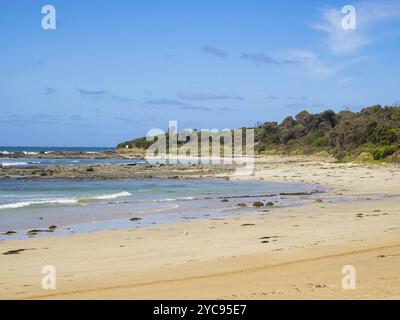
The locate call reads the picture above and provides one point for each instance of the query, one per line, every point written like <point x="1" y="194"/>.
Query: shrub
<point x="383" y="152"/>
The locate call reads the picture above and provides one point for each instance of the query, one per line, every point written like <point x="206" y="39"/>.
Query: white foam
<point x="28" y="152"/>
<point x="10" y="164"/>
<point x="174" y="199"/>
<point x="31" y="203"/>
<point x="23" y="204"/>
<point x="112" y="195"/>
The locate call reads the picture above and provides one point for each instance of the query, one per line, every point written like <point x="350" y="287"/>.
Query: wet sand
<point x="293" y="253"/>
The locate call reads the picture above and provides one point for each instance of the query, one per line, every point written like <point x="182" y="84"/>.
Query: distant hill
<point x="371" y="134"/>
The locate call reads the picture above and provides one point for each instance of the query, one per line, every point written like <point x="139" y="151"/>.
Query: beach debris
<point x="135" y="219"/>
<point x="242" y="205"/>
<point x="258" y="204"/>
<point x="52" y="228"/>
<point x="90" y="169"/>
<point x="224" y="200"/>
<point x="318" y="200"/>
<point x="186" y="233"/>
<point x="270" y="203"/>
<point x="18" y="251"/>
<point x="247" y="224"/>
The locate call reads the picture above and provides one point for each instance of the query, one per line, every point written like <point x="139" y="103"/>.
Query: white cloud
<point x="368" y="14"/>
<point x="342" y="82"/>
<point x="312" y="64"/>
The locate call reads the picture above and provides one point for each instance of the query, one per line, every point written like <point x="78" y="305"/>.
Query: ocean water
<point x="28" y="204"/>
<point x="28" y="160"/>
<point x="45" y="162"/>
<point x="17" y="193"/>
<point x="37" y="150"/>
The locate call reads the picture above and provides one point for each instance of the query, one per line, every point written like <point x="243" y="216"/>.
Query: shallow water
<point x="41" y="203"/>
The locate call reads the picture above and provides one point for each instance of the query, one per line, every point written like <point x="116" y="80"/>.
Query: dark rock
<point x="9" y="233"/>
<point x="258" y="204"/>
<point x="36" y="231"/>
<point x="242" y="205"/>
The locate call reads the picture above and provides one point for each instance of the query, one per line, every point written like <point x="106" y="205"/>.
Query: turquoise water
<point x="28" y="204"/>
<point x="19" y="194"/>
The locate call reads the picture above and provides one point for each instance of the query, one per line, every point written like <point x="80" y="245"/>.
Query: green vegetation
<point x="373" y="134"/>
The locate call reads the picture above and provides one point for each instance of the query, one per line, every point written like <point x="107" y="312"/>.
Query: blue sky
<point x="112" y="70"/>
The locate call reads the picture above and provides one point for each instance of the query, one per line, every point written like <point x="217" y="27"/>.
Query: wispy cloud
<point x="196" y="108"/>
<point x="101" y="94"/>
<point x="368" y="14"/>
<point x="342" y="82"/>
<point x="41" y="119"/>
<point x="127" y="120"/>
<point x="296" y="106"/>
<point x="45" y="116"/>
<point x="309" y="62"/>
<point x="182" y="104"/>
<point x="165" y="102"/>
<point x="213" y="51"/>
<point x="260" y="57"/>
<point x="264" y="58"/>
<point x="119" y="98"/>
<point x="272" y="98"/>
<point x="170" y="55"/>
<point x="175" y="103"/>
<point x="36" y="64"/>
<point x="207" y="96"/>
<point x="92" y="93"/>
<point x="298" y="98"/>
<point x="76" y="117"/>
<point x="312" y="64"/>
<point x="49" y="91"/>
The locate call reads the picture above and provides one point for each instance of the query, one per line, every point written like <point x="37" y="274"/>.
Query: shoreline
<point x="293" y="253"/>
<point x="226" y="202"/>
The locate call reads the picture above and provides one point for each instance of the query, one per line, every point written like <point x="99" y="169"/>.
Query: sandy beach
<point x="289" y="253"/>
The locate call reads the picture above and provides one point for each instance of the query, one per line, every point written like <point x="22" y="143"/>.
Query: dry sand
<point x="294" y="253"/>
